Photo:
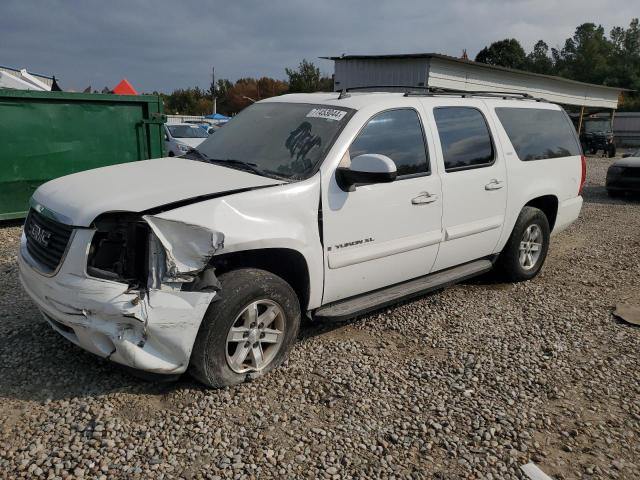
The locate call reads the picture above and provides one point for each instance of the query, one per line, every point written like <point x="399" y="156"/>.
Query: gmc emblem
<point x="39" y="234"/>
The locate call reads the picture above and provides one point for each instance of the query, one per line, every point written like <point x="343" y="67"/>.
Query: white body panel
<point x="138" y="186"/>
<point x="397" y="237"/>
<point x="474" y="212"/>
<point x="352" y="242"/>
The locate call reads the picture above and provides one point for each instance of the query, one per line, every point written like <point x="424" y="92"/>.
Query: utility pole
<point x="213" y="88"/>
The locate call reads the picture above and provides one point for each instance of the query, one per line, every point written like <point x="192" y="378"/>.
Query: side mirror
<point x="366" y="169"/>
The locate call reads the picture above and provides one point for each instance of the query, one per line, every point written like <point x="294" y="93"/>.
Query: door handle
<point x="494" y="184"/>
<point x="424" y="197"/>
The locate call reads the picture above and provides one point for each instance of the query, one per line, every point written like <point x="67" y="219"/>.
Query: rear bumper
<point x="154" y="334"/>
<point x="568" y="212"/>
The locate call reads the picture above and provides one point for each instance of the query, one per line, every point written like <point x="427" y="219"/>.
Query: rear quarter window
<point x="538" y="134"/>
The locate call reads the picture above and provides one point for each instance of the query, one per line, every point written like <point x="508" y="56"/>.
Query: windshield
<point x="283" y="139"/>
<point x="187" y="131"/>
<point x="603" y="125"/>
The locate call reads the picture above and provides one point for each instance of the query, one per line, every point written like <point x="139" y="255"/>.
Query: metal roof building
<point x="441" y="71"/>
<point x="27" y="80"/>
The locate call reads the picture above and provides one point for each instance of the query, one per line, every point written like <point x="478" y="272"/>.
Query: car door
<point x="474" y="181"/>
<point x="382" y="234"/>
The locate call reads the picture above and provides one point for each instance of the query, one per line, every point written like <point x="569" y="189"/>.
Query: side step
<point x="367" y="302"/>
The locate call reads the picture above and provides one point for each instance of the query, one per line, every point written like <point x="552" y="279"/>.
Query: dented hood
<point x="139" y="186"/>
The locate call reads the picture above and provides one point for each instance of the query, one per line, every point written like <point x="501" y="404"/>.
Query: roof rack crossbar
<point x="406" y="87"/>
<point x="433" y="91"/>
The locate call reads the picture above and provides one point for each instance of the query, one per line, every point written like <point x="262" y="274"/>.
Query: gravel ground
<point x="468" y="383"/>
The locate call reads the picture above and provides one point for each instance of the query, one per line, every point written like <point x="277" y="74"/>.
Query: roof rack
<point x="435" y="91"/>
<point x="344" y="93"/>
<point x="412" y="91"/>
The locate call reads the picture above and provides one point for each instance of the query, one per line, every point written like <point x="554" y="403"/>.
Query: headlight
<point x="183" y="147"/>
<point x="119" y="249"/>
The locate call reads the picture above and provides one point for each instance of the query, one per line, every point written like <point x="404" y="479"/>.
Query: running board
<point x="401" y="291"/>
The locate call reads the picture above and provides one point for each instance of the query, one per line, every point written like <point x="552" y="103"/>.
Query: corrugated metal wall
<point x="626" y="128"/>
<point x="362" y="73"/>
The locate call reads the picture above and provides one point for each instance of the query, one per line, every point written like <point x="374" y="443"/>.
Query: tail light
<point x="583" y="179"/>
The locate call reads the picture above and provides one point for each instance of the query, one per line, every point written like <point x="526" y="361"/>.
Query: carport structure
<point x="433" y="70"/>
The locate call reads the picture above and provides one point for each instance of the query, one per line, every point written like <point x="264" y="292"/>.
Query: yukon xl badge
<point x="351" y="244"/>
<point x="39" y="234"/>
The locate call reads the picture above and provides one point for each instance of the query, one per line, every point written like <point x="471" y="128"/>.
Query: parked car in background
<point x="181" y="137"/>
<point x="325" y="205"/>
<point x="623" y="176"/>
<point x="204" y="124"/>
<point x="211" y="128"/>
<point x="597" y="135"/>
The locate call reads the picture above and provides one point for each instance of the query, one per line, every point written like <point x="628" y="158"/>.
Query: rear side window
<point x="537" y="134"/>
<point x="398" y="135"/>
<point x="464" y="137"/>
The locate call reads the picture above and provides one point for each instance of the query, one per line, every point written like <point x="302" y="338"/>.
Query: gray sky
<point x="164" y="45"/>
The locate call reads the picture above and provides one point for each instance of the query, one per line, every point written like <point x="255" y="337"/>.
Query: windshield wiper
<point x="251" y="167"/>
<point x="194" y="154"/>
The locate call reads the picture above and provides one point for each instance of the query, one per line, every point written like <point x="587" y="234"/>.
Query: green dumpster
<point x="44" y="135"/>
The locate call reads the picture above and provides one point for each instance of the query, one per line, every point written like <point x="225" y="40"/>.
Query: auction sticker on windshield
<point x="327" y="113"/>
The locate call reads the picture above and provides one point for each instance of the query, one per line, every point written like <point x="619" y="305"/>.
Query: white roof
<point x="361" y="100"/>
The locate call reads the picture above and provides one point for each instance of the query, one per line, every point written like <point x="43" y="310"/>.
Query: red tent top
<point x="124" y="88"/>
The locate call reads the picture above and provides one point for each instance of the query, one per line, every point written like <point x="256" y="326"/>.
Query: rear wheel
<point x="247" y="331"/>
<point x="526" y="250"/>
<point x="611" y="150"/>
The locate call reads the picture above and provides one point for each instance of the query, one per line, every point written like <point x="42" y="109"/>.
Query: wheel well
<point x="549" y="206"/>
<point x="288" y="264"/>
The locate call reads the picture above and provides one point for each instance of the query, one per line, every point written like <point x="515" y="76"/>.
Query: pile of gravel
<point x="472" y="382"/>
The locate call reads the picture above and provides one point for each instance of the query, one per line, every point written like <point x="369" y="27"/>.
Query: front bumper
<point x="153" y="332"/>
<point x="623" y="183"/>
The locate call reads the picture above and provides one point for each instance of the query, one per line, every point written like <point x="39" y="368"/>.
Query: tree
<point x="538" y="60"/>
<point x="504" y="53"/>
<point x="585" y="56"/>
<point x="305" y="79"/>
<point x="625" y="62"/>
<point x="326" y="84"/>
<point x="269" y="87"/>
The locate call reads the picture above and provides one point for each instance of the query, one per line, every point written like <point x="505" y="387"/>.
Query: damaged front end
<point x="149" y="252"/>
<point x="143" y="294"/>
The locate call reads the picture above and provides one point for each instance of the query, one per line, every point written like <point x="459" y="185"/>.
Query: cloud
<point x="163" y="45"/>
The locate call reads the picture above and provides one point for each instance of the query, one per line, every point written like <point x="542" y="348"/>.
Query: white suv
<point x="326" y="205"/>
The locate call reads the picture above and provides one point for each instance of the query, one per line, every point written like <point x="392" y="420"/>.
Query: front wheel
<point x="247" y="331"/>
<point x="526" y="250"/>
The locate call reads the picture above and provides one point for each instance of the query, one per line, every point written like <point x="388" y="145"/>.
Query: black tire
<point x="611" y="150"/>
<point x="508" y="264"/>
<point x="240" y="288"/>
<point x="593" y="151"/>
<point x="171" y="154"/>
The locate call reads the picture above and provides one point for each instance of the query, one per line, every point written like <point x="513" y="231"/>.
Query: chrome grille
<point x="47" y="240"/>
